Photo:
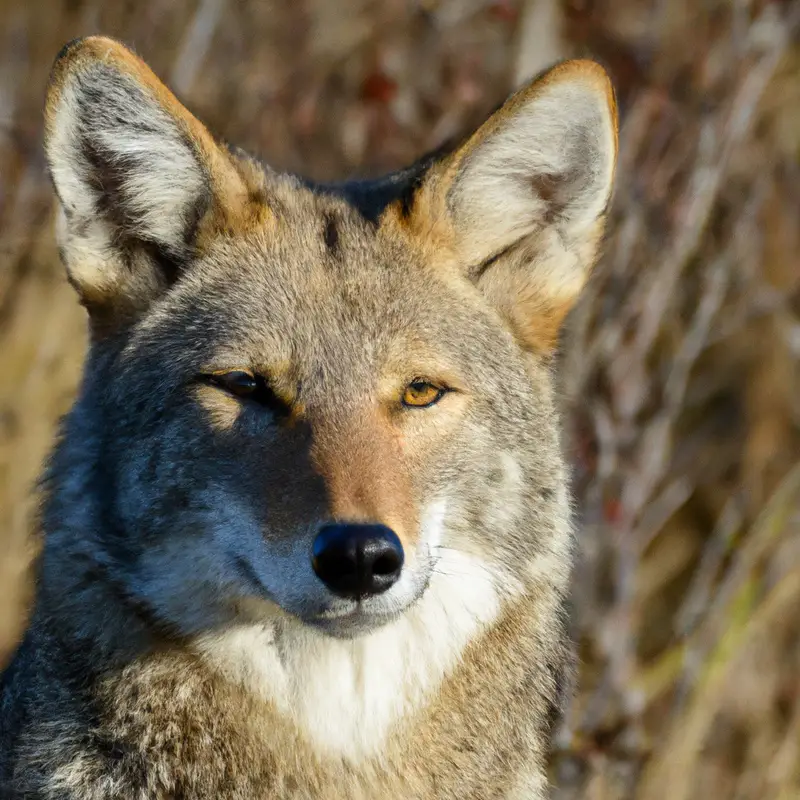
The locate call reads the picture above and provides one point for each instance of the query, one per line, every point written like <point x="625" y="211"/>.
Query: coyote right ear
<point x="521" y="205"/>
<point x="136" y="174"/>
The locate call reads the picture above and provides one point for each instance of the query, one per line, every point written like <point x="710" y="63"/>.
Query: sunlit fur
<point x="182" y="645"/>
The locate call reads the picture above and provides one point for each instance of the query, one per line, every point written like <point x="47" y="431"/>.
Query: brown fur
<point x="194" y="736"/>
<point x="181" y="646"/>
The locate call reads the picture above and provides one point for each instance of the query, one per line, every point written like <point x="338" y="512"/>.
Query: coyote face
<point x="309" y="402"/>
<point x="307" y="528"/>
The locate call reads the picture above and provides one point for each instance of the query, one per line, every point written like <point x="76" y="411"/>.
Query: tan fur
<point x="444" y="237"/>
<point x="431" y="756"/>
<point x="364" y="473"/>
<point x="182" y="645"/>
<point x="230" y="189"/>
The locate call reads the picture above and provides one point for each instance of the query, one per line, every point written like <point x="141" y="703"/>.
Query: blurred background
<point x="680" y="366"/>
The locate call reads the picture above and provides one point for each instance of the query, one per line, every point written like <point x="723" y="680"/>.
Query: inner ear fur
<point x="139" y="179"/>
<point x="520" y="207"/>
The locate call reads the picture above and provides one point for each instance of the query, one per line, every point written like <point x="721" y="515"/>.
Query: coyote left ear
<point x="136" y="175"/>
<point x="521" y="205"/>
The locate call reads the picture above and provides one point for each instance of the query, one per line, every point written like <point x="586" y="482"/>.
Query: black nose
<point x="356" y="560"/>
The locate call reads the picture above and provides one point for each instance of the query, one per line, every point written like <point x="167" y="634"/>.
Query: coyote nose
<point x="356" y="560"/>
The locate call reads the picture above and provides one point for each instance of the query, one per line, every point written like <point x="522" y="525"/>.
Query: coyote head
<point x="313" y="403"/>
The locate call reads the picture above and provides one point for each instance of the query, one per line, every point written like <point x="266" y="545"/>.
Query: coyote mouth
<point x="350" y="618"/>
<point x="353" y="624"/>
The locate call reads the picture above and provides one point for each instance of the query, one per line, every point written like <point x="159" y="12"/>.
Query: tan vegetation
<point x="680" y="366"/>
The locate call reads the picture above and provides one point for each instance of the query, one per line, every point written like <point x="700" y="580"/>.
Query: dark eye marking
<point x="331" y="234"/>
<point x="244" y="384"/>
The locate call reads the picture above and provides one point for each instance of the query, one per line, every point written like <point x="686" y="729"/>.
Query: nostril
<point x="386" y="564"/>
<point x="356" y="560"/>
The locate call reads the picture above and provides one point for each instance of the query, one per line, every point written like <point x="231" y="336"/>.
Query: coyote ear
<point x="522" y="203"/>
<point x="136" y="174"/>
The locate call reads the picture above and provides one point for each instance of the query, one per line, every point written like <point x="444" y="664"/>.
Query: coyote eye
<point x="238" y="382"/>
<point x="421" y="394"/>
<point x="243" y="383"/>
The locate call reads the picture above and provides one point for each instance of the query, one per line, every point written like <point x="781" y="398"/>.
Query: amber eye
<point x="421" y="394"/>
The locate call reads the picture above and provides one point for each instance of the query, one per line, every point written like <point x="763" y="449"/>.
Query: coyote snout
<point x="355" y="560"/>
<point x="345" y="578"/>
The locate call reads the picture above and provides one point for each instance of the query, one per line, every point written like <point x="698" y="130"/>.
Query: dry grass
<point x="680" y="377"/>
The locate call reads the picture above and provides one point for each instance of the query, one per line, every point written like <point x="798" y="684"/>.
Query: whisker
<point x="466" y="575"/>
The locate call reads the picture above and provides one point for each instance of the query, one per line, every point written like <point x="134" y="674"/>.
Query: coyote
<point x="307" y="527"/>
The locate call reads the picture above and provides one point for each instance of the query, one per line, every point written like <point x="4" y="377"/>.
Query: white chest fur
<point x="345" y="695"/>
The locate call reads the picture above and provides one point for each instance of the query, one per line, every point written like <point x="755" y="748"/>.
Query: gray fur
<point x="173" y="513"/>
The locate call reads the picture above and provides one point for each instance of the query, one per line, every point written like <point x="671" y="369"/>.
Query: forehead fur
<point x="322" y="274"/>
